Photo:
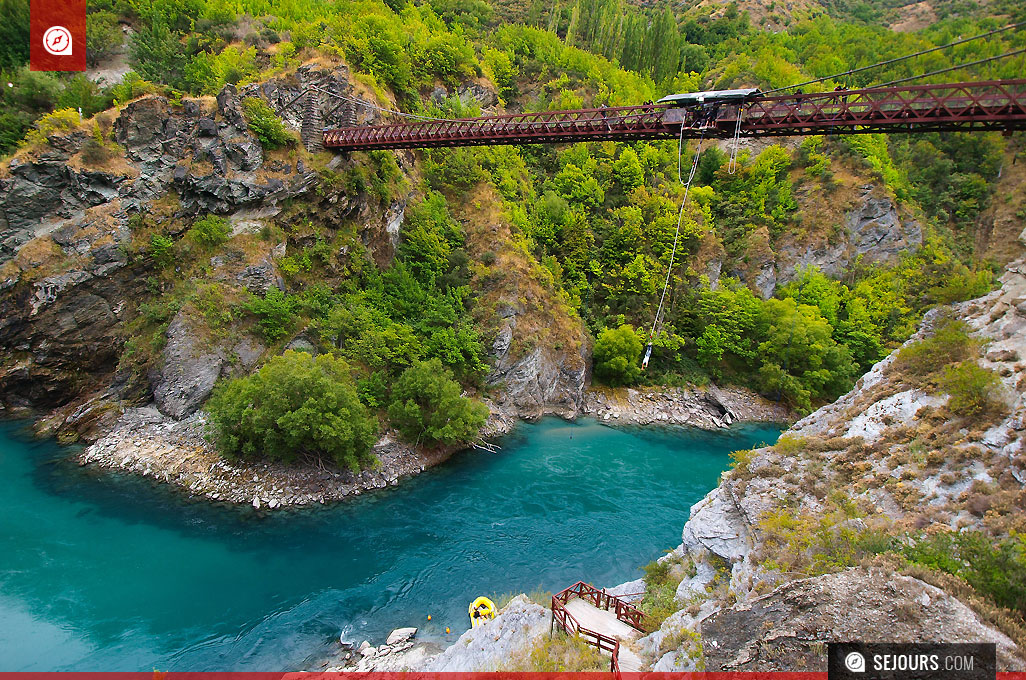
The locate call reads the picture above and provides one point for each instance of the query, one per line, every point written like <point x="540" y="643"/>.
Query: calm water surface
<point x="100" y="571"/>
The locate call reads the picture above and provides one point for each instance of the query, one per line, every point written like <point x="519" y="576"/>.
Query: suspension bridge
<point x="985" y="105"/>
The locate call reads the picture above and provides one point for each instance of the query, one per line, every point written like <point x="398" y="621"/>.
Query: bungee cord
<point x="657" y="321"/>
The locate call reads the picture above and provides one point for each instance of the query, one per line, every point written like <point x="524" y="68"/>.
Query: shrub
<point x="427" y="406"/>
<point x="161" y="250"/>
<point x="96" y="151"/>
<point x="616" y="356"/>
<point x="995" y="568"/>
<point x="130" y="87"/>
<point x="558" y="653"/>
<point x="661" y="580"/>
<point x="296" y="407"/>
<point x="266" y="124"/>
<point x="103" y="36"/>
<point x="973" y="389"/>
<point x="210" y="231"/>
<point x="276" y="312"/>
<point x="61" y="120"/>
<point x="950" y="343"/>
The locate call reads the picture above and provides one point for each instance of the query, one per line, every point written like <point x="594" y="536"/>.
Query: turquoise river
<point x="101" y="571"/>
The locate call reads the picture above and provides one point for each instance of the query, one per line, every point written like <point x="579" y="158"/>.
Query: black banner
<point x="912" y="661"/>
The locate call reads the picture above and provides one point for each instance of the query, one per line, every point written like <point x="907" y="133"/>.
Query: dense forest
<point x="596" y="220"/>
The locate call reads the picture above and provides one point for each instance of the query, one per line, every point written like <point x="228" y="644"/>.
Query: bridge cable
<point x="357" y="100"/>
<point x="732" y="165"/>
<point x="657" y="321"/>
<point x="951" y="68"/>
<point x="897" y="59"/>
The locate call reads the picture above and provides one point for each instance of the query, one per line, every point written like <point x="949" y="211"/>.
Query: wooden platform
<point x="603" y="621"/>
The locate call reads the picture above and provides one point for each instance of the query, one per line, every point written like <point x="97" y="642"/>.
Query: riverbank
<point x="709" y="407"/>
<point x="176" y="452"/>
<point x="145" y="442"/>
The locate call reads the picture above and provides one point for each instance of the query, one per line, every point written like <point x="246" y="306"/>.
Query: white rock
<point x="716" y="525"/>
<point x="485" y="648"/>
<point x="256" y="502"/>
<point x="400" y="635"/>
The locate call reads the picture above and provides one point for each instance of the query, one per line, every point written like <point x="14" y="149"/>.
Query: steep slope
<point x="113" y="340"/>
<point x="857" y="482"/>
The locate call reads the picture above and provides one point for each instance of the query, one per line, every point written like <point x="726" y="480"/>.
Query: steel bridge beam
<point x="987" y="105"/>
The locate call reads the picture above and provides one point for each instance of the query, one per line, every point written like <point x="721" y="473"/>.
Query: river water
<point x="101" y="571"/>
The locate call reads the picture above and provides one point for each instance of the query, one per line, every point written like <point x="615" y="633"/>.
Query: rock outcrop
<point x="489" y="646"/>
<point x="788" y="627"/>
<point x="876" y="230"/>
<point x="542" y="382"/>
<point x="188" y="373"/>
<point x="709" y="408"/>
<point x="745" y="607"/>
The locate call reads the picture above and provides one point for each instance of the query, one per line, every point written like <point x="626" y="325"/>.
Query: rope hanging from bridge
<point x="732" y="165"/>
<point x="657" y="321"/>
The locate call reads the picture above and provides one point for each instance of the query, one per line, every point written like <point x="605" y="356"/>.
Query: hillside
<point x="200" y="294"/>
<point x="900" y="477"/>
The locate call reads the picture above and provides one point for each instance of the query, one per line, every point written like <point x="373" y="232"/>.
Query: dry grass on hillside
<point x="514" y="278"/>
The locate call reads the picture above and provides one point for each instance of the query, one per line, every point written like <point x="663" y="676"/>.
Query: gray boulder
<point x="877" y="232"/>
<point x="778" y="631"/>
<point x="188" y="373"/>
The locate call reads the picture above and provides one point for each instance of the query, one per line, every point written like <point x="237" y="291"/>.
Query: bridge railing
<point x="623" y="610"/>
<point x="995" y="103"/>
<point x="542" y="126"/>
<point x="952" y="106"/>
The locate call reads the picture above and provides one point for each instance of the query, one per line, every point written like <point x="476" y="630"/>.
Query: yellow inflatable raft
<point x="482" y="609"/>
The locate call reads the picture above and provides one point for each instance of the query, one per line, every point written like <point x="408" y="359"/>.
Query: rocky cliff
<point x="77" y="281"/>
<point x="774" y="548"/>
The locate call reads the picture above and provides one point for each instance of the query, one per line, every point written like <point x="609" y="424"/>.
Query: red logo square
<point x="58" y="35"/>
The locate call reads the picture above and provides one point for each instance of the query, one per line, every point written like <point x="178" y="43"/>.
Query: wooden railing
<point x="623" y="610"/>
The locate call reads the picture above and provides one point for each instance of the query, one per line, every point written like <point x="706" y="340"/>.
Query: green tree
<point x="266" y="124"/>
<point x="578" y="187"/>
<point x="158" y="54"/>
<point x="800" y="358"/>
<point x="103" y="36"/>
<point x="14" y="33"/>
<point x="210" y="231"/>
<point x="276" y="312"/>
<point x="427" y="406"/>
<point x="973" y="389"/>
<point x="726" y="319"/>
<point x="628" y="170"/>
<point x="616" y="355"/>
<point x="296" y="407"/>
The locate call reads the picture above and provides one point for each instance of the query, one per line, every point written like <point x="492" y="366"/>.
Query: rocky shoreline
<point x="709" y="407"/>
<point x="488" y="647"/>
<point x="143" y="441"/>
<point x="147" y="443"/>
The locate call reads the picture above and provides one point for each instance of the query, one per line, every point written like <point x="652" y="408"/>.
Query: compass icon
<point x="57" y="41"/>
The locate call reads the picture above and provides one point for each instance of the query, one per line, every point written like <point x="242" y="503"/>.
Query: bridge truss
<point x="985" y="105"/>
